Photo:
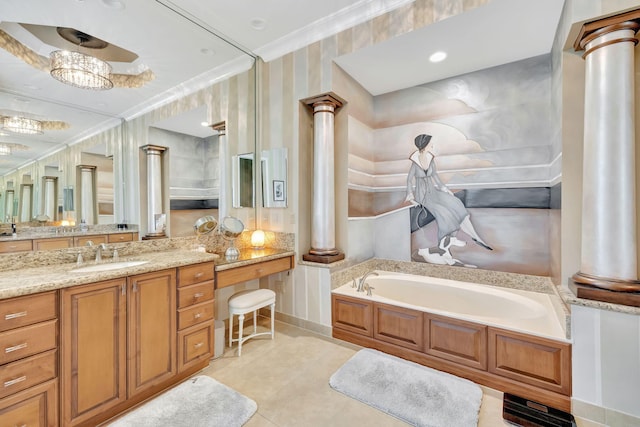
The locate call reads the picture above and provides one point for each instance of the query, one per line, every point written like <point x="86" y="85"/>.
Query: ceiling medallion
<point x="78" y="69"/>
<point x="22" y="125"/>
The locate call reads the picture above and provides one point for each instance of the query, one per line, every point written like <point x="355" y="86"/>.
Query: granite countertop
<point x="32" y="280"/>
<point x="251" y="256"/>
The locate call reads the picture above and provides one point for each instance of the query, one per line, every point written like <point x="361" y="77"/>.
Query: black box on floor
<point x="527" y="413"/>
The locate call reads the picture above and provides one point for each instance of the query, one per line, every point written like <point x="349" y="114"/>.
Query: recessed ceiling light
<point x="438" y="56"/>
<point x="258" y="24"/>
<point x="204" y="124"/>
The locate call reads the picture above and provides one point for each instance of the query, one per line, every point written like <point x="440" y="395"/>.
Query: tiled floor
<point x="289" y="380"/>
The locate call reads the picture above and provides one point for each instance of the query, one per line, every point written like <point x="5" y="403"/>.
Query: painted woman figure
<point x="433" y="195"/>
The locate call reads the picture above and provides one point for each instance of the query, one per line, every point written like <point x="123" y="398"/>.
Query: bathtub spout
<point x="363" y="280"/>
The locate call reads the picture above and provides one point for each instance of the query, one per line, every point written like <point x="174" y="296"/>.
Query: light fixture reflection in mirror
<point x="231" y="228"/>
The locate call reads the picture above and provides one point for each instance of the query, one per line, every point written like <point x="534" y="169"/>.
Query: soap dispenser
<point x="14" y="230"/>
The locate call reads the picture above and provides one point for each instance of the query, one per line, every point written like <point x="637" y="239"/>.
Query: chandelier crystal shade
<point x="5" y="150"/>
<point x="22" y="125"/>
<point x="80" y="70"/>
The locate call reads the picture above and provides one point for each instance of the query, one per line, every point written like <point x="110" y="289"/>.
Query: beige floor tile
<point x="288" y="377"/>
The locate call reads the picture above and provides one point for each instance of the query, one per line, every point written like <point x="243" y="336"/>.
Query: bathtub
<point x="512" y="309"/>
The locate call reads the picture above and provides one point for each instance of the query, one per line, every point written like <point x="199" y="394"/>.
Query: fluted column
<point x="323" y="225"/>
<point x="49" y="197"/>
<point x="223" y="153"/>
<point x="609" y="233"/>
<point x="156" y="217"/>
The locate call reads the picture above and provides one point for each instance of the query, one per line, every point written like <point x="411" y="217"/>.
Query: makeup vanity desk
<point x="252" y="264"/>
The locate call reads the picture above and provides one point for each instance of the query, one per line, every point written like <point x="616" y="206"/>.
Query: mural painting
<point x="429" y="195"/>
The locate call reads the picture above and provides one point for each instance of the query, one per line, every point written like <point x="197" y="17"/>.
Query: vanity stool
<point x="245" y="302"/>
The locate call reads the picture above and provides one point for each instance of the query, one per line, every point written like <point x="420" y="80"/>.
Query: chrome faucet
<point x="363" y="280"/>
<point x="101" y="247"/>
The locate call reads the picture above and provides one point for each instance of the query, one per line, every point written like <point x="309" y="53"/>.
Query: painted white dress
<point x="432" y="194"/>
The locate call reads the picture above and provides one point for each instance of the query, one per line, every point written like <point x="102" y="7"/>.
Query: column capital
<point x="221" y="127"/>
<point x="86" y="167"/>
<point x="591" y="30"/>
<point x="328" y="98"/>
<point x="153" y="149"/>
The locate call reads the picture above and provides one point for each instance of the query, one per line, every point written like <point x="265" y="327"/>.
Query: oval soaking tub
<point x="514" y="309"/>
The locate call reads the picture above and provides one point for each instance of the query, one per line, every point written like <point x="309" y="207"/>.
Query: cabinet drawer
<point x="20" y="375"/>
<point x="96" y="240"/>
<point x="195" y="294"/>
<point x="254" y="271"/>
<point x="195" y="344"/>
<point x="36" y="406"/>
<point x="120" y="237"/>
<point x="55" y="243"/>
<point x="22" y="342"/>
<point x="16" y="246"/>
<point x="27" y="310"/>
<point x="190" y="274"/>
<point x="195" y="314"/>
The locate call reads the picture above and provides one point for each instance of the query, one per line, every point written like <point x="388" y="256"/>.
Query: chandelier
<point x="22" y="125"/>
<point x="80" y="70"/>
<point x="5" y="150"/>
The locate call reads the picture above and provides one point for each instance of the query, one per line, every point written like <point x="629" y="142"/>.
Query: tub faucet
<point x="364" y="278"/>
<point x="101" y="247"/>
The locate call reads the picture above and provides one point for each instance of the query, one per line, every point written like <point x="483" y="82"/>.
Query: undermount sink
<point x="96" y="268"/>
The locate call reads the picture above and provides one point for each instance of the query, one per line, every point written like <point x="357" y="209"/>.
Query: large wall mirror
<point x="102" y="130"/>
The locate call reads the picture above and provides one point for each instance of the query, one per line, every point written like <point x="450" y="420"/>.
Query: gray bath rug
<point x="198" y="402"/>
<point x="415" y="394"/>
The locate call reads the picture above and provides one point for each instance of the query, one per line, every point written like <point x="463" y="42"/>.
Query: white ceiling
<point x="179" y="41"/>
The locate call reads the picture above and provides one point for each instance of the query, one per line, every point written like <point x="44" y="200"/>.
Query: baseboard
<point x="604" y="416"/>
<point x="301" y="323"/>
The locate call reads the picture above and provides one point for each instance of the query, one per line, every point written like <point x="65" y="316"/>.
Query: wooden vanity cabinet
<point x="118" y="342"/>
<point x="83" y="240"/>
<point x="53" y="243"/>
<point x="28" y="360"/>
<point x="195" y="314"/>
<point x="93" y="349"/>
<point x="11" y="246"/>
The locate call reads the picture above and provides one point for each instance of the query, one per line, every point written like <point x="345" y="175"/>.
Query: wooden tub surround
<point x="529" y="366"/>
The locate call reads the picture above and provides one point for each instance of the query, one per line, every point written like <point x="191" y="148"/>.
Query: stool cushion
<point x="251" y="298"/>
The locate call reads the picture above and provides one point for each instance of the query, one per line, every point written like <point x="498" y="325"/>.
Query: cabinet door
<point x="55" y="243"/>
<point x="152" y="329"/>
<point x="96" y="239"/>
<point x="35" y="407"/>
<point x="93" y="352"/>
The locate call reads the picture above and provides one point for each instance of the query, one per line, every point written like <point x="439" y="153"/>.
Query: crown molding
<point x="359" y="12"/>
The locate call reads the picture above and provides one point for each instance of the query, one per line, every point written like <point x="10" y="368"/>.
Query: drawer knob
<point x="15" y="381"/>
<point x="199" y="275"/>
<point x="197" y="315"/>
<point x="198" y="345"/>
<point x="198" y="295"/>
<point x="15" y="315"/>
<point x="15" y="348"/>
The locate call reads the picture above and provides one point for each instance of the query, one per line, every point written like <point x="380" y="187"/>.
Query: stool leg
<point x="230" y="330"/>
<point x="255" y="319"/>
<point x="241" y="324"/>
<point x="273" y="323"/>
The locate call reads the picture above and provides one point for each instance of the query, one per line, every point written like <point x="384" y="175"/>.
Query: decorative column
<point x="221" y="128"/>
<point x="156" y="217"/>
<point x="323" y="225"/>
<point x="608" y="270"/>
<point x="49" y="196"/>
<point x="86" y="194"/>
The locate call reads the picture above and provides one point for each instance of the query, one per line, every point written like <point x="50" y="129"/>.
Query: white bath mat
<point x="198" y="402"/>
<point x="416" y="394"/>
